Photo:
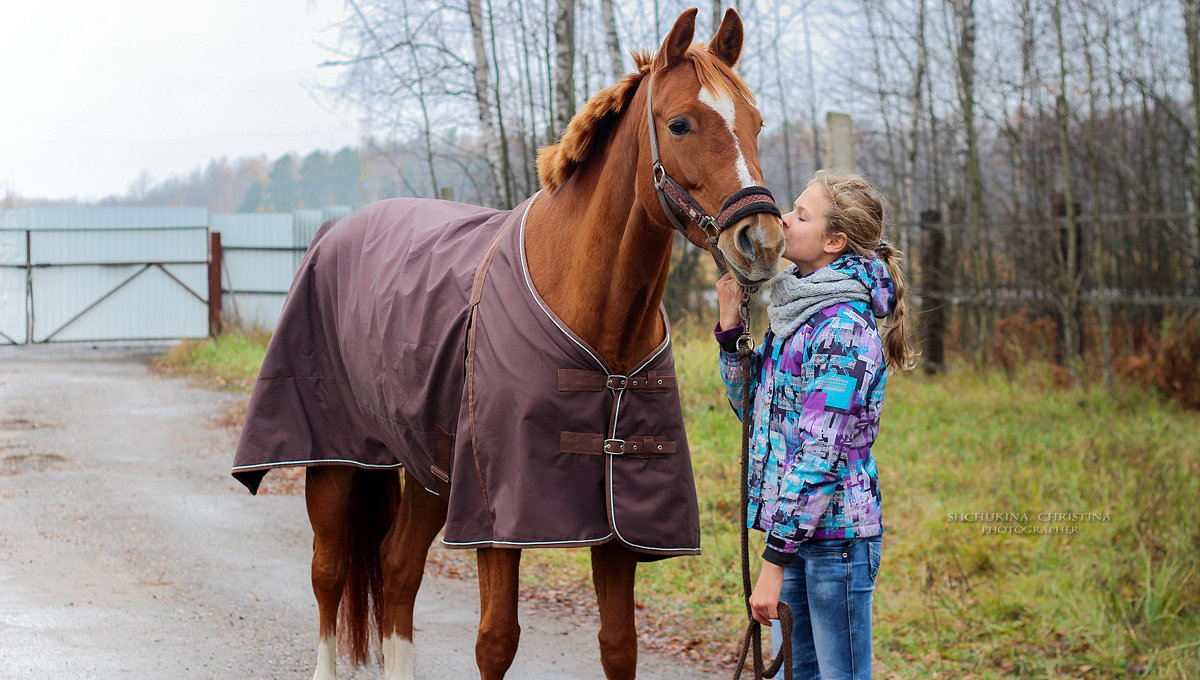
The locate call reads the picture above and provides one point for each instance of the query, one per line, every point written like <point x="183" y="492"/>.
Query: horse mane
<point x="556" y="163"/>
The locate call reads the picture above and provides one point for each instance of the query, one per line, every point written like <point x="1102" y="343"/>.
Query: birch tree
<point x="1068" y="302"/>
<point x="1191" y="23"/>
<point x="963" y="14"/>
<point x="564" y="66"/>
<point x="481" y="71"/>
<point x="612" y="41"/>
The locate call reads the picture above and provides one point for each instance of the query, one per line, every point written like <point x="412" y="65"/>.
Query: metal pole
<point x="214" y="284"/>
<point x="28" y="287"/>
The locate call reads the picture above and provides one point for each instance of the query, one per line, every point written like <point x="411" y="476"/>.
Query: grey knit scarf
<point x="795" y="299"/>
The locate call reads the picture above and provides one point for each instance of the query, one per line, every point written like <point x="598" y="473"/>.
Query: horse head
<point x="700" y="149"/>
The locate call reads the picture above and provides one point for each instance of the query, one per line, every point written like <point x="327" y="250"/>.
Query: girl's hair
<point x="856" y="210"/>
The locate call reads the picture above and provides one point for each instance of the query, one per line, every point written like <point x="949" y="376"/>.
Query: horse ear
<point x="726" y="45"/>
<point x="678" y="41"/>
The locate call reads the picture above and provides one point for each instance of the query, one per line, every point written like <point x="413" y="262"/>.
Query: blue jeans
<point x="829" y="588"/>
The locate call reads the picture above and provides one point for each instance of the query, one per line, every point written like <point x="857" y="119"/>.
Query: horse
<point x="675" y="139"/>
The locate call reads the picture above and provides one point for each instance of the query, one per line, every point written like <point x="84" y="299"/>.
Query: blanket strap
<point x="574" y="380"/>
<point x="630" y="447"/>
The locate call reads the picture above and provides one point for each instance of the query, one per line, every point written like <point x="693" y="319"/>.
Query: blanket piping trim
<point x="318" y="461"/>
<point x="529" y="544"/>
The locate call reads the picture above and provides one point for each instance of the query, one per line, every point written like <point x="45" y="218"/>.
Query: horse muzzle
<point x="753" y="248"/>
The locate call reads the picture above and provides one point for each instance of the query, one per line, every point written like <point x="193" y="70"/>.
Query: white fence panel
<point x="103" y="274"/>
<point x="119" y="302"/>
<point x="261" y="253"/>
<point x="13" y="254"/>
<point x="12" y="306"/>
<point x="135" y="273"/>
<point x="259" y="260"/>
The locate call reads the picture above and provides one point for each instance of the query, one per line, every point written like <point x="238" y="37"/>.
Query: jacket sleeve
<point x="731" y="366"/>
<point x="834" y="382"/>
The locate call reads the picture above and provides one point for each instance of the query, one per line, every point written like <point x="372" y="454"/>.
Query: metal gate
<point x="260" y="253"/>
<point x="103" y="274"/>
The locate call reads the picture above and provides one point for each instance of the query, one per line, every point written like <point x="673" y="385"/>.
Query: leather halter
<point x="676" y="200"/>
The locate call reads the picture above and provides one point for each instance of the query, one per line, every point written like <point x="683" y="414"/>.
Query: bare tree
<point x="783" y="99"/>
<point x="483" y="99"/>
<point x="611" y="40"/>
<point x="965" y="34"/>
<point x="1093" y="157"/>
<point x="912" y="138"/>
<point x="1191" y="23"/>
<point x="564" y="66"/>
<point x="1068" y="302"/>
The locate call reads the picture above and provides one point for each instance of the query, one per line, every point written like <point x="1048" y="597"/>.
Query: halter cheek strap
<point x="676" y="200"/>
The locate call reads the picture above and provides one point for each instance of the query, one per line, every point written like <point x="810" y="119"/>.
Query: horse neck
<point x="595" y="257"/>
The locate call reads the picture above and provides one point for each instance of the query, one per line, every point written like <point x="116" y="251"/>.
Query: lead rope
<point x="753" y="637"/>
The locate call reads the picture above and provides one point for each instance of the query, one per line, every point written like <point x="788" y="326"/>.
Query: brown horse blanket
<point x="413" y="337"/>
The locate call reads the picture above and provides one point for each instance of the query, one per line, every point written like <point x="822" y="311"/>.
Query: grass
<point x="228" y="362"/>
<point x="1114" y="594"/>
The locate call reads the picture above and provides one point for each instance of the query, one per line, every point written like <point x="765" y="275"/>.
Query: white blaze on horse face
<point x="397" y="658"/>
<point x="326" y="660"/>
<point x="725" y="108"/>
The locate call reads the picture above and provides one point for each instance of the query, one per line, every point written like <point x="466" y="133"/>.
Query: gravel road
<point x="126" y="550"/>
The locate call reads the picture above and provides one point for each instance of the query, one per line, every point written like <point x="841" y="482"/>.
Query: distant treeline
<point x="258" y="184"/>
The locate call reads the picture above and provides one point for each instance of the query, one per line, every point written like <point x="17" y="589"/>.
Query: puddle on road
<point x="18" y="424"/>
<point x="15" y="464"/>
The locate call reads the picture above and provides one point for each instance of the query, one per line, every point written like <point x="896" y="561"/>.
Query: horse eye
<point x="679" y="127"/>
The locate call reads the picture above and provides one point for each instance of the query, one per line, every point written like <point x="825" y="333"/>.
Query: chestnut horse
<point x="598" y="246"/>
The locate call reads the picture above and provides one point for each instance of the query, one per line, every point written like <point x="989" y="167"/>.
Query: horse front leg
<point x="327" y="498"/>
<point x="613" y="569"/>
<point x="499" y="630"/>
<point x="403" y="555"/>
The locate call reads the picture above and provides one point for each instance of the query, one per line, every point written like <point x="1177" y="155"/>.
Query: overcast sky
<point x="92" y="93"/>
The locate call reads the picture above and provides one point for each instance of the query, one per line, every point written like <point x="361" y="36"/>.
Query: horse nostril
<point x="744" y="242"/>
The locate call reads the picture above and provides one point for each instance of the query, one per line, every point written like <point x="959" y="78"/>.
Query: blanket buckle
<point x="614" y="446"/>
<point x="616" y="382"/>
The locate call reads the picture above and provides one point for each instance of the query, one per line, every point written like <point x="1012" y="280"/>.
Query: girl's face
<point x="804" y="231"/>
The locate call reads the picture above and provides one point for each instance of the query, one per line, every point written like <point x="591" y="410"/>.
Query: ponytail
<point x="856" y="209"/>
<point x="896" y="348"/>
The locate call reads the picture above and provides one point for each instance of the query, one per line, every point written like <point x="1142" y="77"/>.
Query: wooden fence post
<point x="933" y="303"/>
<point x="214" y="284"/>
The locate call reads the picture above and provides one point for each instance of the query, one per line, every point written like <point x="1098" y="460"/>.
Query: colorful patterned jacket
<point x="817" y="401"/>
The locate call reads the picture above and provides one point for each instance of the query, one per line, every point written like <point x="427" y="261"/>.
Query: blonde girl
<point x="818" y="382"/>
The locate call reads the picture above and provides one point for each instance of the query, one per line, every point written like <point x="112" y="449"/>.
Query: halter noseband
<point x="676" y="200"/>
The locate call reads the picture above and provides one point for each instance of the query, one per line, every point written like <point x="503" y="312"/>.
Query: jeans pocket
<point x="829" y="547"/>
<point x="874" y="557"/>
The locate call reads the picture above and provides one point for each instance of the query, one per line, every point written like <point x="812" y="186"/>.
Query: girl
<point x="819" y="380"/>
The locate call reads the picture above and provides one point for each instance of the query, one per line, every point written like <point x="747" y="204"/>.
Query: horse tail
<point x="374" y="499"/>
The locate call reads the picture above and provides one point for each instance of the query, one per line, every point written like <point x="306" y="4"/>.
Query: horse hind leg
<point x="403" y="553"/>
<point x="327" y="497"/>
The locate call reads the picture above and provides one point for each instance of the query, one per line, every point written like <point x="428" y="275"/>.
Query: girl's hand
<point x="729" y="298"/>
<point x="764" y="601"/>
